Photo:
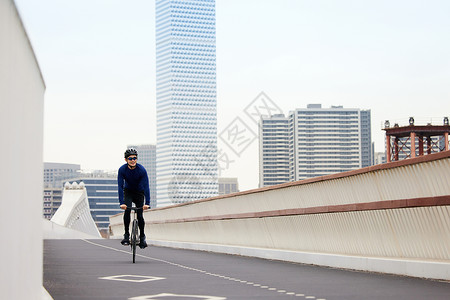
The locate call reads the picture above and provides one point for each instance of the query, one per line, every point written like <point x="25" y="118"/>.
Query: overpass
<point x="365" y="224"/>
<point x="391" y="218"/>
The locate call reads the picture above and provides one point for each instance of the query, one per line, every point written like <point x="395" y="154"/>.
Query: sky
<point x="97" y="58"/>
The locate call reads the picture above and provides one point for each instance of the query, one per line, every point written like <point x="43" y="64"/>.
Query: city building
<point x="186" y="164"/>
<point x="55" y="173"/>
<point x="147" y="158"/>
<point x="103" y="197"/>
<point x="54" y="176"/>
<point x="228" y="185"/>
<point x="274" y="159"/>
<point x="379" y="158"/>
<point x="314" y="142"/>
<point x="52" y="201"/>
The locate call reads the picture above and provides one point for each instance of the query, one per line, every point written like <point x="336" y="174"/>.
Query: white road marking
<point x="164" y="295"/>
<point x="132" y="278"/>
<point x="200" y="271"/>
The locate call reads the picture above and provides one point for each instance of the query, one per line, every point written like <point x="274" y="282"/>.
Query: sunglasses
<point x="132" y="158"/>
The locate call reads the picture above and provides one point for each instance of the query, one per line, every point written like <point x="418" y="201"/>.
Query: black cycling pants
<point x="137" y="198"/>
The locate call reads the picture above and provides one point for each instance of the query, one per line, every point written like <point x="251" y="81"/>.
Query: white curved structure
<point x="74" y="212"/>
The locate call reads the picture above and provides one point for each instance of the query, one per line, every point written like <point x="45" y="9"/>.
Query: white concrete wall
<point x="21" y="177"/>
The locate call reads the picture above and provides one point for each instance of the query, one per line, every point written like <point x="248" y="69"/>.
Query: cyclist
<point x="132" y="180"/>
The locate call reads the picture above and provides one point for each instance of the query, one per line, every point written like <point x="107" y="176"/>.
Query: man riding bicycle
<point x="132" y="181"/>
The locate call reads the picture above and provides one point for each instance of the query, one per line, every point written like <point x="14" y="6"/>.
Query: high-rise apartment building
<point x="55" y="173"/>
<point x="147" y="158"/>
<point x="314" y="142"/>
<point x="186" y="151"/>
<point x="367" y="147"/>
<point x="52" y="201"/>
<point x="274" y="158"/>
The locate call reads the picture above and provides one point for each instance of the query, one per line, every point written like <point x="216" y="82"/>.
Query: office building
<point x="314" y="141"/>
<point x="147" y="158"/>
<point x="228" y="185"/>
<point x="54" y="176"/>
<point x="186" y="152"/>
<point x="55" y="173"/>
<point x="101" y="188"/>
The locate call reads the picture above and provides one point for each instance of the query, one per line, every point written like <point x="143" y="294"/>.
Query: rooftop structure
<point x="415" y="140"/>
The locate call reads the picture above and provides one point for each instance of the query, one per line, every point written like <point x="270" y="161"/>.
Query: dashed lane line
<point x="288" y="293"/>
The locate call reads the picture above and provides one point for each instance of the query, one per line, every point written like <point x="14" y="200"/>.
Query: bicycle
<point x="134" y="239"/>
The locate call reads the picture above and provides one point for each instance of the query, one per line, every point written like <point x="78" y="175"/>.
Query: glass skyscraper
<point x="186" y="153"/>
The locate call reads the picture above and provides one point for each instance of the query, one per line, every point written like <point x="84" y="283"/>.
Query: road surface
<point x="103" y="269"/>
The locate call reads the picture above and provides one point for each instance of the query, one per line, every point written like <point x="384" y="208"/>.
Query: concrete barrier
<point x="391" y="218"/>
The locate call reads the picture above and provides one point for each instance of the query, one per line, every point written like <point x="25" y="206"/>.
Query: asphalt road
<point x="102" y="269"/>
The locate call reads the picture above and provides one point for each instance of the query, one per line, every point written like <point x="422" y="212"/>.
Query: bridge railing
<point x="392" y="218"/>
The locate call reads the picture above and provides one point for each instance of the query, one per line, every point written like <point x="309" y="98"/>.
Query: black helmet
<point x="130" y="151"/>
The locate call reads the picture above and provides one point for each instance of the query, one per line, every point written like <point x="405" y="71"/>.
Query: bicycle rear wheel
<point x="134" y="233"/>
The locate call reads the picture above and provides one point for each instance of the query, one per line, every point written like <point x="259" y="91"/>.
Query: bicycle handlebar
<point x="133" y="208"/>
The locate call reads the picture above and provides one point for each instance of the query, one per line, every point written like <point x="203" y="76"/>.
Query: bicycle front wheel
<point x="134" y="233"/>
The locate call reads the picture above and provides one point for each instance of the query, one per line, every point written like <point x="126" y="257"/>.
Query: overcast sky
<point x="98" y="62"/>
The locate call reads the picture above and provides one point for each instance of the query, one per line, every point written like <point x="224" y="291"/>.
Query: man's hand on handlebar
<point x="124" y="206"/>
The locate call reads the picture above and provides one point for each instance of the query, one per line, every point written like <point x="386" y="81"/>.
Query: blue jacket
<point x="135" y="180"/>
